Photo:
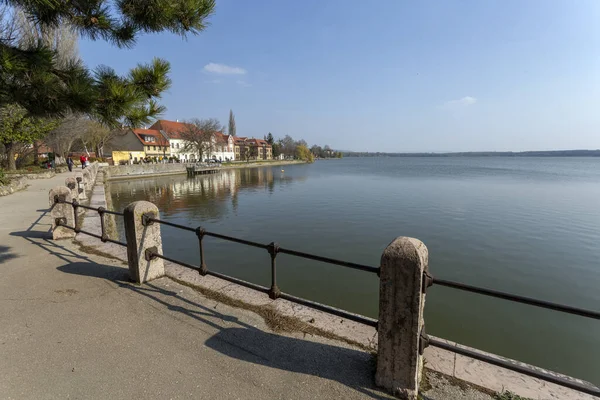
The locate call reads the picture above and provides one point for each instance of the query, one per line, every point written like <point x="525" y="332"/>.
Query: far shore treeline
<point x="550" y="153"/>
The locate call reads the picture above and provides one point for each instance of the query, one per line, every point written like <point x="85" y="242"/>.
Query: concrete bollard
<point x="143" y="237"/>
<point x="61" y="212"/>
<point x="80" y="186"/>
<point x="71" y="183"/>
<point x="87" y="179"/>
<point x="401" y="303"/>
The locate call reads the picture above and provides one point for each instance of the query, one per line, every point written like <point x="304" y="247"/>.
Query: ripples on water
<point x="529" y="226"/>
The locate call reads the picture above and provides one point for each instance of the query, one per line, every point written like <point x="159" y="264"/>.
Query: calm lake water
<point x="529" y="226"/>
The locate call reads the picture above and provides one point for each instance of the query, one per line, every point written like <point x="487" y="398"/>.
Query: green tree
<point x="304" y="154"/>
<point x="17" y="127"/>
<point x="269" y="139"/>
<point x="231" y="123"/>
<point x="31" y="77"/>
<point x="276" y="148"/>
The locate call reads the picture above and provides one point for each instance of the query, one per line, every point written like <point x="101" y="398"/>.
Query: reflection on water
<point x="203" y="197"/>
<point x="524" y="226"/>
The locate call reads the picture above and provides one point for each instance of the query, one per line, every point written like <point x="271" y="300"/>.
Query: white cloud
<point x="463" y="102"/>
<point x="244" y="83"/>
<point x="223" y="69"/>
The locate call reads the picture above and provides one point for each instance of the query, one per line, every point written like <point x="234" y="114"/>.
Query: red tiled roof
<point x="250" y="142"/>
<point x="173" y="129"/>
<point x="222" y="138"/>
<point x="141" y="133"/>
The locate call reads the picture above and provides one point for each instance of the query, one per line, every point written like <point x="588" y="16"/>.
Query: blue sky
<point x="398" y="76"/>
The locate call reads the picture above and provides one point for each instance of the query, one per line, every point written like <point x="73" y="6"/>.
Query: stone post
<point x="80" y="186"/>
<point x="61" y="213"/>
<point x="401" y="303"/>
<point x="87" y="179"/>
<point x="71" y="183"/>
<point x="141" y="238"/>
<point x="94" y="170"/>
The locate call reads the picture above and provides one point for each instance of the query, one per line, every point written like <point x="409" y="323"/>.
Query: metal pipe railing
<point x="274" y="292"/>
<point x="518" y="299"/>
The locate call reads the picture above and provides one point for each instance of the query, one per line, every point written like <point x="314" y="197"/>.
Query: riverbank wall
<point x="117" y="172"/>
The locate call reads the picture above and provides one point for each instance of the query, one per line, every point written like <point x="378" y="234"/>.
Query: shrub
<point x="3" y="177"/>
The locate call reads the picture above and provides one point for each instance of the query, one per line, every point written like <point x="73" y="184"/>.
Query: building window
<point x="177" y="145"/>
<point x="153" y="147"/>
<point x="171" y="145"/>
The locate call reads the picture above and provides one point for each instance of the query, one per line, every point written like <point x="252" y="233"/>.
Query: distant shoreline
<point x="552" y="153"/>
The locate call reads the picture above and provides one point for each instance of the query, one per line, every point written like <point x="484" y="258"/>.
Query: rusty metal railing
<point x="273" y="249"/>
<point x="101" y="212"/>
<point x="274" y="292"/>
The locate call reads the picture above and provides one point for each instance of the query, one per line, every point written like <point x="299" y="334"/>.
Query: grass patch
<point x="3" y="178"/>
<point x="94" y="251"/>
<point x="32" y="169"/>
<point x="274" y="320"/>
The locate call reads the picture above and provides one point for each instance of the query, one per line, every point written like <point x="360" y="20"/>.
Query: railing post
<point x="87" y="179"/>
<point x="80" y="186"/>
<point x="143" y="238"/>
<point x="61" y="213"/>
<point x="401" y="302"/>
<point x="274" y="291"/>
<point x="200" y="232"/>
<point x="71" y="183"/>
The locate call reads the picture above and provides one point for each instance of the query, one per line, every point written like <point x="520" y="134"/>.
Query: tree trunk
<point x="10" y="153"/>
<point x="36" y="157"/>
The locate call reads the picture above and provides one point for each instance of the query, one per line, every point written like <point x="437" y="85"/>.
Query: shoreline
<point x="109" y="177"/>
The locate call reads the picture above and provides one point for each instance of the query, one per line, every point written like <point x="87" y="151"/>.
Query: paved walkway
<point x="73" y="327"/>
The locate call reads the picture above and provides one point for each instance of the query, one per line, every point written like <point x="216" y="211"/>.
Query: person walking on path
<point x="82" y="160"/>
<point x="70" y="164"/>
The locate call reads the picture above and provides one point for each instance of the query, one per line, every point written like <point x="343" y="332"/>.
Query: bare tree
<point x="199" y="136"/>
<point x="9" y="29"/>
<point x="61" y="38"/>
<point x="288" y="146"/>
<point x="19" y="30"/>
<point x="95" y="136"/>
<point x="73" y="128"/>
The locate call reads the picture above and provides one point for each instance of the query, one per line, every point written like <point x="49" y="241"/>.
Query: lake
<point x="528" y="226"/>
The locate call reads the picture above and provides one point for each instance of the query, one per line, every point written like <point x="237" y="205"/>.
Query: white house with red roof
<point x="222" y="146"/>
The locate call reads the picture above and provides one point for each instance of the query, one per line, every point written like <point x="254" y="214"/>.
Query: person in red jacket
<point x="82" y="159"/>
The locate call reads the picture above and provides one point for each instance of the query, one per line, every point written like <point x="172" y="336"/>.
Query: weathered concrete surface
<point x="401" y="304"/>
<point x="498" y="379"/>
<point x="80" y="186"/>
<point x="123" y="171"/>
<point x="87" y="180"/>
<point x="45" y="174"/>
<point x="71" y="183"/>
<point x="73" y="326"/>
<point x="140" y="170"/>
<point x="61" y="212"/>
<point x="142" y="238"/>
<point x="15" y="185"/>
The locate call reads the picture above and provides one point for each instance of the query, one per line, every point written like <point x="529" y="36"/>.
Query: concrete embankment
<point x="116" y="172"/>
